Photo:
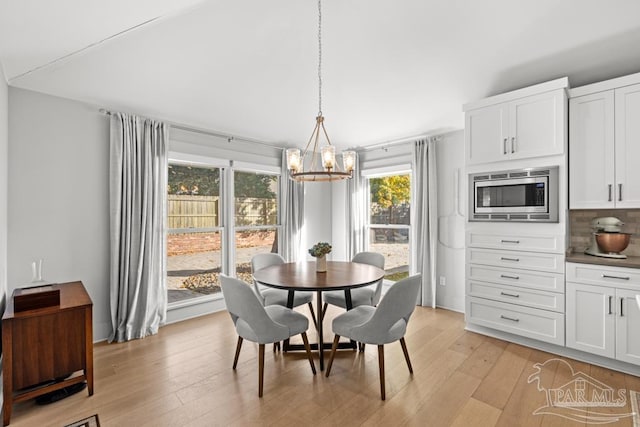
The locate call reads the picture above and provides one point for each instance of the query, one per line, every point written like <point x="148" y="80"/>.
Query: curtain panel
<point x="357" y="211"/>
<point x="138" y="200"/>
<point x="292" y="214"/>
<point x="424" y="217"/>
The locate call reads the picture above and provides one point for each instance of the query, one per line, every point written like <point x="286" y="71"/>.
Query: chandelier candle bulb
<point x="328" y="157"/>
<point x="348" y="160"/>
<point x="294" y="162"/>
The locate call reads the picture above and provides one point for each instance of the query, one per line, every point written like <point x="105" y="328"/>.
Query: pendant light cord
<point x="319" y="57"/>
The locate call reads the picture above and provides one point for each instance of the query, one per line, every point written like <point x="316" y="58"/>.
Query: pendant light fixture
<point x="330" y="170"/>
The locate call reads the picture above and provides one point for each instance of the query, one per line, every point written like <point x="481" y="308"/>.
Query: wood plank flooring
<point x="183" y="377"/>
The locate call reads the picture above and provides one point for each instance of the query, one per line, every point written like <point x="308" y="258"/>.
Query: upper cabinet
<point x="526" y="123"/>
<point x="604" y="145"/>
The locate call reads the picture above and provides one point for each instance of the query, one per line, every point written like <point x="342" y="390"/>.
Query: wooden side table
<point x="47" y="343"/>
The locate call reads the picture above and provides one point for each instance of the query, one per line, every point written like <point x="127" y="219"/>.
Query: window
<point x="195" y="233"/>
<point x="389" y="224"/>
<point x="256" y="218"/>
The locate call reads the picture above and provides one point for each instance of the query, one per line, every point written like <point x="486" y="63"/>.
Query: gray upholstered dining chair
<point x="380" y="325"/>
<point x="369" y="295"/>
<point x="271" y="296"/>
<point x="260" y="324"/>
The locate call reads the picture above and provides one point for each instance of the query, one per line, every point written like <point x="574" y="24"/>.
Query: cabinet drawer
<point x="516" y="295"/>
<point x="542" y="325"/>
<point x="482" y="239"/>
<point x="514" y="259"/>
<point x="552" y="282"/>
<point x="603" y="275"/>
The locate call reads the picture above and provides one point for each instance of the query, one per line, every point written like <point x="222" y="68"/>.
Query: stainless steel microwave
<point x="525" y="195"/>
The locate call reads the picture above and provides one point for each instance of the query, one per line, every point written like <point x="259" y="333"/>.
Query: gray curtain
<point x="356" y="211"/>
<point x="425" y="217"/>
<point x="292" y="214"/>
<point x="138" y="187"/>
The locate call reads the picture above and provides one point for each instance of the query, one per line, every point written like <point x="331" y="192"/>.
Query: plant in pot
<point x="319" y="251"/>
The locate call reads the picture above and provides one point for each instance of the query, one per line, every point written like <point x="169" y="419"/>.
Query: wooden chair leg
<point x="324" y="310"/>
<point x="381" y="364"/>
<point x="276" y="346"/>
<point x="361" y="346"/>
<point x="406" y="354"/>
<point x="334" y="347"/>
<point x="313" y="315"/>
<point x="260" y="368"/>
<point x="306" y="347"/>
<point x="238" y="347"/>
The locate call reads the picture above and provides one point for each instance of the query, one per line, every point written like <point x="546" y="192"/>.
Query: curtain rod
<point x="386" y="144"/>
<point x="229" y="138"/>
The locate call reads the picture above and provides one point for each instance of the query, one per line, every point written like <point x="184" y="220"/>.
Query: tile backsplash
<point x="580" y="227"/>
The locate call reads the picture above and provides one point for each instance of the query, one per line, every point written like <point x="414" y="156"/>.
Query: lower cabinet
<point x="603" y="320"/>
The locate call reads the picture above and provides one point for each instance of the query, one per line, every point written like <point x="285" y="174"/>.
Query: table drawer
<point x="515" y="259"/>
<point x="537" y="243"/>
<point x="542" y="325"/>
<point x="552" y="282"/>
<point x="516" y="295"/>
<point x="603" y="275"/>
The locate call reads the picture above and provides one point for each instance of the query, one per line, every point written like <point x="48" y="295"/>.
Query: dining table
<point x="303" y="277"/>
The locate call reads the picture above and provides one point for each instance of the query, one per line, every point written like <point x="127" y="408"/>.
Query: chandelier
<point x="330" y="170"/>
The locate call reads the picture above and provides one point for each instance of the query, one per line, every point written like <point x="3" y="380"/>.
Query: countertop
<point x="582" y="258"/>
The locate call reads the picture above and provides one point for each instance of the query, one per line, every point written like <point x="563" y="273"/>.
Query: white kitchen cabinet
<point x="603" y="319"/>
<point x="530" y="126"/>
<point x="591" y="151"/>
<point x="627" y="148"/>
<point x="604" y="146"/>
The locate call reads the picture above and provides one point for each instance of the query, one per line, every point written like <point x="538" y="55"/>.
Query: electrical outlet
<point x="443" y="281"/>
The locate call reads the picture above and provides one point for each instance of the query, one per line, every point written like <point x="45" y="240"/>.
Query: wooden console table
<point x="47" y="343"/>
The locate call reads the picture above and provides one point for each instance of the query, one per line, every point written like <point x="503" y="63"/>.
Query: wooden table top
<point x="72" y="295"/>
<point x="302" y="276"/>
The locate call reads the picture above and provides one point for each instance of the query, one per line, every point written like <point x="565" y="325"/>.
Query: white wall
<point x="450" y="264"/>
<point x="4" y="165"/>
<point x="58" y="199"/>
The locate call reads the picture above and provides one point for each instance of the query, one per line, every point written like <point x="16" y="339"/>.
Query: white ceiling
<point x="391" y="69"/>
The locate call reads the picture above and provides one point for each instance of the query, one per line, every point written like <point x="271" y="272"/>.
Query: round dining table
<point x="302" y="276"/>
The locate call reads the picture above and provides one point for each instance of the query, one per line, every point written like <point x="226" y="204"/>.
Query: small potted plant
<point x="319" y="251"/>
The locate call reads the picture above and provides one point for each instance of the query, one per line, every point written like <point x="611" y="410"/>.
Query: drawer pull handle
<point x="506" y="276"/>
<point x="619" y="192"/>
<point x="610" y="191"/>
<point x="621" y="305"/>
<point x="607" y="276"/>
<point x="510" y="241"/>
<point x="513" y="144"/>
<point x="509" y="318"/>
<point x="509" y="259"/>
<point x="504" y="151"/>
<point x="509" y="295"/>
<point x="610" y="298"/>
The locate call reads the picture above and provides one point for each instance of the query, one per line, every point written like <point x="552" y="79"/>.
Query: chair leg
<point x="238" y="347"/>
<point x="381" y="364"/>
<point x="324" y="310"/>
<point x="306" y="347"/>
<point x="334" y="347"/>
<point x="260" y="368"/>
<point x="361" y="346"/>
<point x="406" y="354"/>
<point x="313" y="315"/>
<point x="276" y="346"/>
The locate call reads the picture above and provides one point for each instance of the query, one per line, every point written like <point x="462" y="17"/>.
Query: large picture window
<point x="256" y="218"/>
<point x="389" y="222"/>
<point x="194" y="235"/>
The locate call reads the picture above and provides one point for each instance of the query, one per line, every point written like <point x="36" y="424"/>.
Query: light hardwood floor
<point x="183" y="377"/>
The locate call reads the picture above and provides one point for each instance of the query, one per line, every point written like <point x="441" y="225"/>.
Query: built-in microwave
<point x="525" y="195"/>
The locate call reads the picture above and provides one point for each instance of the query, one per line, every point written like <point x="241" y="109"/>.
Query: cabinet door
<point x="628" y="147"/>
<point x="591" y="151"/>
<point x="627" y="327"/>
<point x="590" y="319"/>
<point x="485" y="134"/>
<point x="537" y="125"/>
